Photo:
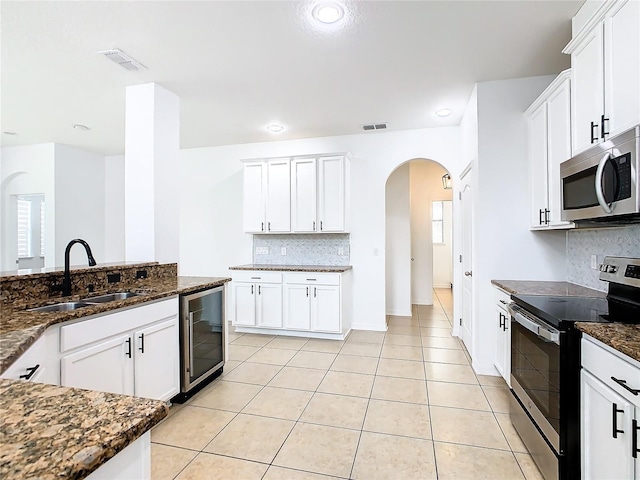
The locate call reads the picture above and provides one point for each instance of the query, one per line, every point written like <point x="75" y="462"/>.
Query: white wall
<point x="79" y="203"/>
<point x="442" y="252"/>
<point x="211" y="237"/>
<point x="25" y="170"/>
<point x="504" y="247"/>
<point x="114" y="209"/>
<point x="398" y="243"/>
<point x="426" y="186"/>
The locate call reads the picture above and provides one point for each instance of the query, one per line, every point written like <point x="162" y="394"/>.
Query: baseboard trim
<point x="443" y="285"/>
<point x="399" y="313"/>
<point x="368" y="326"/>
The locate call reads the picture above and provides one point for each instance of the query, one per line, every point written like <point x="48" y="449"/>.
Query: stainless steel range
<point x="545" y="363"/>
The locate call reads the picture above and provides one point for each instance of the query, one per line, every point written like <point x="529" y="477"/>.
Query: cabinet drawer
<point x="257" y="276"/>
<point x="604" y="365"/>
<point x="109" y="324"/>
<point x="313" y="278"/>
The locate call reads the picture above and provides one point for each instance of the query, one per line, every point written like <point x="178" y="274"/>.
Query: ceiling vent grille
<point x="125" y="61"/>
<point x="374" y="126"/>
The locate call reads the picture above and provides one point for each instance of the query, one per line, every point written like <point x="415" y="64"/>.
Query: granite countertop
<point x="294" y="268"/>
<point x="50" y="432"/>
<point x="75" y="269"/>
<point x="622" y="337"/>
<point x="560" y="289"/>
<point x="21" y="328"/>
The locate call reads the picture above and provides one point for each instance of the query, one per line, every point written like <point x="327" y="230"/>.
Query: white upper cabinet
<point x="549" y="145"/>
<point x="605" y="74"/>
<point x="301" y="195"/>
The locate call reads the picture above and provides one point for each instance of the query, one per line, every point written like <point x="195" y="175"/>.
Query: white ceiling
<point x="238" y="66"/>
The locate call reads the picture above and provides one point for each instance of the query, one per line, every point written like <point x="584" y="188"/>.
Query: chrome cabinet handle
<point x="191" y="369"/>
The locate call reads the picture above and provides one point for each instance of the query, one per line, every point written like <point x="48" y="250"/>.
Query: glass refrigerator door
<point x="206" y="335"/>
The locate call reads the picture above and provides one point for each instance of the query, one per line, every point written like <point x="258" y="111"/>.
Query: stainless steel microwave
<point x="601" y="184"/>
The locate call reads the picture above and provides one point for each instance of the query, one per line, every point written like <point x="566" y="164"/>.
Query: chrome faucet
<point x="66" y="282"/>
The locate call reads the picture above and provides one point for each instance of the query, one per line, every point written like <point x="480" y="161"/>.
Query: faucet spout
<point x="66" y="282"/>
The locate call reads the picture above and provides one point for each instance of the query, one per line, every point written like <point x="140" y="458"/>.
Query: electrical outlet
<point x="340" y="251"/>
<point x="283" y="250"/>
<point x="594" y="262"/>
<point x="262" y="250"/>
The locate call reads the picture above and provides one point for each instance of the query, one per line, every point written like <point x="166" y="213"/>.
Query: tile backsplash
<point x="314" y="249"/>
<point x="581" y="244"/>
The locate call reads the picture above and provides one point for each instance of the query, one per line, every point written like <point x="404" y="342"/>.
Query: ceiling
<point x="238" y="66"/>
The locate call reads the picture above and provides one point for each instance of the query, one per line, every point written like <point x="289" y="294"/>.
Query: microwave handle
<point x="607" y="207"/>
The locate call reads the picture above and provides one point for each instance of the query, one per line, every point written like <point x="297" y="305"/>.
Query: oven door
<point x="535" y="371"/>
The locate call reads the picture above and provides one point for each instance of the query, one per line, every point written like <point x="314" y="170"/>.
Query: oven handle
<point x="544" y="332"/>
<point x="607" y="207"/>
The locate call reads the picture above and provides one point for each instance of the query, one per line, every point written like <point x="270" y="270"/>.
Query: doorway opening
<point x="419" y="226"/>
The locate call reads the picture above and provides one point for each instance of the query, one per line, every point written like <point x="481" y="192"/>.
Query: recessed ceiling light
<point x="10" y="133"/>
<point x="275" y="128"/>
<point x="79" y="126"/>
<point x="328" y="13"/>
<point x="444" y="112"/>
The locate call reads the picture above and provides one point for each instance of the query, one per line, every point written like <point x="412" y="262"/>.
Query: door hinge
<point x="460" y="258"/>
<point x="459" y="195"/>
<point x="461" y="322"/>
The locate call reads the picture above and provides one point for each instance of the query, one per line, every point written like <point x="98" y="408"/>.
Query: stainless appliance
<point x="545" y="363"/>
<point x="202" y="340"/>
<point x="601" y="184"/>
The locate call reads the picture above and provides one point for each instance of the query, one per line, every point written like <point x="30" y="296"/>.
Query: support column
<point x="152" y="142"/>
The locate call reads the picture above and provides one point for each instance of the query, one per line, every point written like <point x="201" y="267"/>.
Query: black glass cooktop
<point x="566" y="310"/>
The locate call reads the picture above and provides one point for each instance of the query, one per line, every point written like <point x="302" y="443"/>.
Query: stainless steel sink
<point x="60" y="307"/>
<point x="111" y="297"/>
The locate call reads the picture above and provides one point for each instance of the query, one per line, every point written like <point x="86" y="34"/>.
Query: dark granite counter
<point x="622" y="337"/>
<point x="50" y="432"/>
<point x="561" y="289"/>
<point x="294" y="268"/>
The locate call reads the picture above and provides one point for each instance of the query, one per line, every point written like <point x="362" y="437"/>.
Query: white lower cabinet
<point x="502" y="360"/>
<point x="132" y="352"/>
<point x="609" y="414"/>
<point x="301" y="303"/>
<point x="39" y="363"/>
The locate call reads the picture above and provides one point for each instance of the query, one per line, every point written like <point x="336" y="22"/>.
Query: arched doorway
<point x="418" y="238"/>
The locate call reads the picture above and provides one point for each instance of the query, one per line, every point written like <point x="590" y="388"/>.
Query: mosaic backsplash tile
<point x="314" y="249"/>
<point x="581" y="244"/>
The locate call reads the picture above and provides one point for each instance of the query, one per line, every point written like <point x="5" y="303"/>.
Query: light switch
<point x="594" y="262"/>
<point x="283" y="250"/>
<point x="262" y="250"/>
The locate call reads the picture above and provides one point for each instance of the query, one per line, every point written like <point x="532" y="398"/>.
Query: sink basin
<point x="61" y="307"/>
<point x="111" y="297"/>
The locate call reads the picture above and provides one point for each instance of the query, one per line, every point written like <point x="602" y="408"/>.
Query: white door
<point x="245" y="304"/>
<point x="325" y="308"/>
<point x="157" y="360"/>
<point x="303" y="195"/>
<point x="622" y="74"/>
<point x="603" y="455"/>
<point x="538" y="166"/>
<point x="269" y="305"/>
<point x="587" y="89"/>
<point x="297" y="310"/>
<point x="466" y="200"/>
<point x="331" y="201"/>
<point x="253" y="205"/>
<point x="278" y="196"/>
<point x="106" y="367"/>
<point x="558" y="146"/>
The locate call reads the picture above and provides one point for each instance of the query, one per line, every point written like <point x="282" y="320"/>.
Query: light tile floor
<point x="404" y="404"/>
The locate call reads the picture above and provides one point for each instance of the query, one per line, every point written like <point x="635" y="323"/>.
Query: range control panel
<point x="625" y="271"/>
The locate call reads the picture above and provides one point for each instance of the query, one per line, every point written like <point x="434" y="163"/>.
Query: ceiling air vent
<point x="374" y="126"/>
<point x="122" y="59"/>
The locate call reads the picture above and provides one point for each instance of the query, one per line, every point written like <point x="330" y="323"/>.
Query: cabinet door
<point x="253" y="206"/>
<point x="40" y="362"/>
<point x="303" y="195"/>
<point x="157" y="361"/>
<point x="587" y="87"/>
<point x="538" y="165"/>
<point x="297" y="310"/>
<point x="245" y="304"/>
<point x="278" y="196"/>
<point x="106" y="367"/>
<point x="501" y="343"/>
<point x="325" y="308"/>
<point x="558" y="146"/>
<point x="603" y="455"/>
<point x="622" y="68"/>
<point x="331" y="200"/>
<point x="269" y="305"/>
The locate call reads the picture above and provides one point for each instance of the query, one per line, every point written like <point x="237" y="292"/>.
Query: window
<point x="24" y="228"/>
<point x="437" y="223"/>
